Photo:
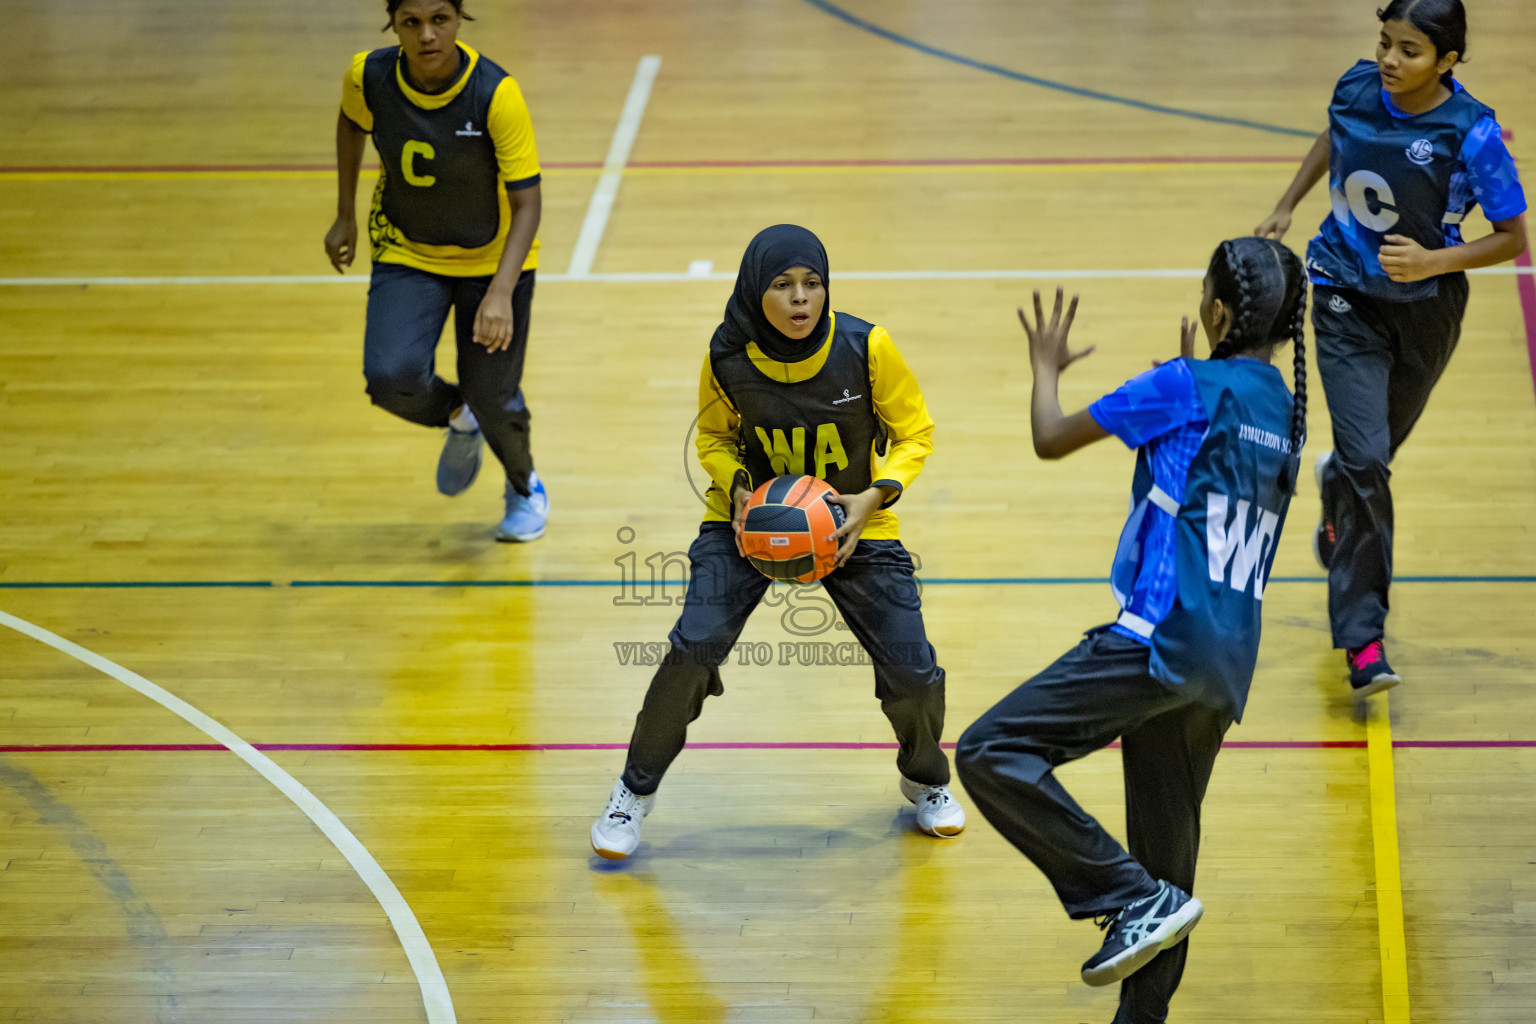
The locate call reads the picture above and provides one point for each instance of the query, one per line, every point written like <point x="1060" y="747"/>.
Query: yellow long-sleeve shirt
<point x="498" y="132"/>
<point x="897" y="399"/>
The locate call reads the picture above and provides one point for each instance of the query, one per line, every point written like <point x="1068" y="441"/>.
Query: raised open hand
<point x="1048" y="340"/>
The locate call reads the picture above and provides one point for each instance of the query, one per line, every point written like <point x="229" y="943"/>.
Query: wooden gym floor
<point x="198" y="496"/>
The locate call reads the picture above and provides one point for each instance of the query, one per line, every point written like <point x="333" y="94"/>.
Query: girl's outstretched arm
<point x="1313" y="166"/>
<point x="1055" y="434"/>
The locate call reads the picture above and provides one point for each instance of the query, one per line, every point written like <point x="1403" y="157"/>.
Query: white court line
<point x="613" y="169"/>
<point x="671" y="276"/>
<point x="434" y="990"/>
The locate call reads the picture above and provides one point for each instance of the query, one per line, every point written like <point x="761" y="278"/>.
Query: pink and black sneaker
<point x="1369" y="672"/>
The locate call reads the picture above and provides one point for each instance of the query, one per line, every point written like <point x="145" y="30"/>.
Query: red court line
<point x="574" y="165"/>
<point x="96" y="748"/>
<point x="217" y="168"/>
<point x="1456" y="744"/>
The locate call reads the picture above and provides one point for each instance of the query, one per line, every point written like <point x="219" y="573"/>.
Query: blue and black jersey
<point x="1417" y="175"/>
<point x="1212" y="441"/>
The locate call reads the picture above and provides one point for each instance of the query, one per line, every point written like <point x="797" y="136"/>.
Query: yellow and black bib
<point x="438" y="182"/>
<point x="825" y="426"/>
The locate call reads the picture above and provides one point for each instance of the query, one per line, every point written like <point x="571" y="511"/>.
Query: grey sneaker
<point x="525" y="517"/>
<point x="459" y="464"/>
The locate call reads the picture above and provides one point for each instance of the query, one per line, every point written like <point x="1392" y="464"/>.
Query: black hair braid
<point x="1227" y="347"/>
<point x="1299" y="342"/>
<point x="1241" y="277"/>
<point x="1299" y="380"/>
<point x="1244" y="330"/>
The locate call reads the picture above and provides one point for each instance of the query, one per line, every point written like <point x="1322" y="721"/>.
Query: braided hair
<point x="1265" y="286"/>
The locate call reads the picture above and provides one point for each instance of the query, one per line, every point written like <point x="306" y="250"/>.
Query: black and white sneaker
<point x="1140" y="931"/>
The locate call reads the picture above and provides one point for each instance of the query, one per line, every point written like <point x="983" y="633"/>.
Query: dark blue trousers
<point x="1379" y="361"/>
<point x="407" y="309"/>
<point x="1090" y="696"/>
<point x="876" y="592"/>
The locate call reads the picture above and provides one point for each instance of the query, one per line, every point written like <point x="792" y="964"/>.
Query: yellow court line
<point x="1389" y="881"/>
<point x="281" y="175"/>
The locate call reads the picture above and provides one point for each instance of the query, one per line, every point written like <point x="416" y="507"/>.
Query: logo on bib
<point x="846" y="398"/>
<point x="1422" y="152"/>
<point x="1339" y="305"/>
<point x="469" y="129"/>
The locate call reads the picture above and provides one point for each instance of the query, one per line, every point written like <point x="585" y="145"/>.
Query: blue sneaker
<point x="1140" y="931"/>
<point x="459" y="464"/>
<point x="525" y="517"/>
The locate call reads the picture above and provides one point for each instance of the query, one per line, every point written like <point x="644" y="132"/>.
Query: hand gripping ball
<point x="787" y="534"/>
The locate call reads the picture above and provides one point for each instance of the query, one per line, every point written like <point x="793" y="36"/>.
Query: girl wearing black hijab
<point x="789" y="386"/>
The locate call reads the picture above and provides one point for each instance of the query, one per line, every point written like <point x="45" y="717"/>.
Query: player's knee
<point x="396" y="388"/>
<point x="706" y="651"/>
<point x="970" y="751"/>
<point x="1363" y="467"/>
<point x="910" y="684"/>
<point x="494" y="401"/>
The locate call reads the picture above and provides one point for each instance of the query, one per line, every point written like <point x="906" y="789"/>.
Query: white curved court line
<point x="434" y="990"/>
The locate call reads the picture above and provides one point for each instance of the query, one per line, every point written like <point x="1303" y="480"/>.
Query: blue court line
<point x="929" y="581"/>
<point x="133" y="584"/>
<point x="1046" y="83"/>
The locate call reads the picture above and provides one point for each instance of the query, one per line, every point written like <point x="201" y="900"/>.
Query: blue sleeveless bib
<point x="1227" y="530"/>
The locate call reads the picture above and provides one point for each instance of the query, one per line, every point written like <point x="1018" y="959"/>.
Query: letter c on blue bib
<point x="1379" y="215"/>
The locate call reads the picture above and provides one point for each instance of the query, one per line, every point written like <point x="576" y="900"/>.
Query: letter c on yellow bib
<point x="408" y="160"/>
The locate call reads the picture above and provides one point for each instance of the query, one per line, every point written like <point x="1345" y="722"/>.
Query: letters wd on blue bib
<point x="1212" y="439"/>
<point x="1418" y="175"/>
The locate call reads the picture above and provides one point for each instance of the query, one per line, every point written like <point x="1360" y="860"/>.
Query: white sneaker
<point x="616" y="834"/>
<point x="938" y="812"/>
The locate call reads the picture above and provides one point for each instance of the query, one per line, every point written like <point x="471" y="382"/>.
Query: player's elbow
<point x="1512" y="229"/>
<point x="1048" y="446"/>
